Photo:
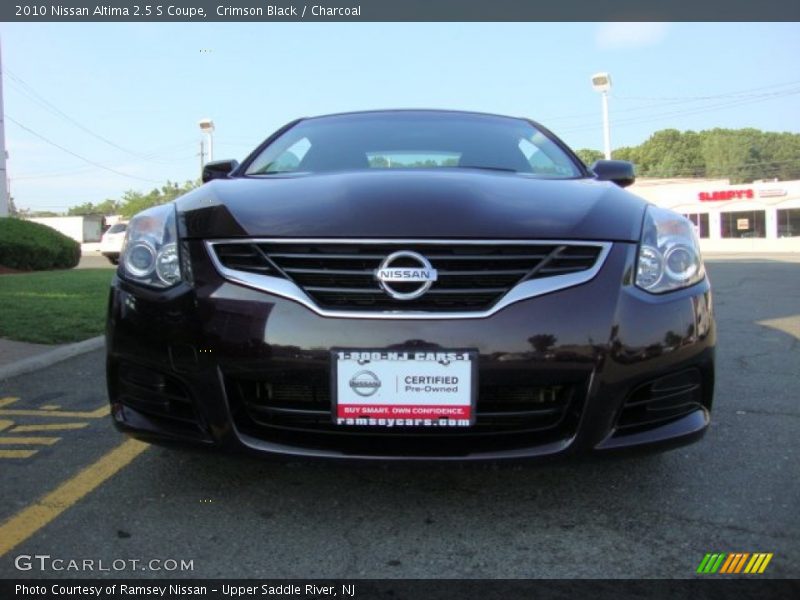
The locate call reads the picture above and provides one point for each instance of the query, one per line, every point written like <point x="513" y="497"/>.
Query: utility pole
<point x="601" y="82"/>
<point x="207" y="127"/>
<point x="3" y="173"/>
<point x="606" y="128"/>
<point x="202" y="156"/>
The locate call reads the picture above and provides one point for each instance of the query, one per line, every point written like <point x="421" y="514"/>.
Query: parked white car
<point x="111" y="242"/>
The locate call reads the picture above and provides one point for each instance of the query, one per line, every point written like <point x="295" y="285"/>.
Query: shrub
<point x="29" y="246"/>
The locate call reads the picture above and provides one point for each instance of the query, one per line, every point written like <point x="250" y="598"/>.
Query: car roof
<point x="412" y="111"/>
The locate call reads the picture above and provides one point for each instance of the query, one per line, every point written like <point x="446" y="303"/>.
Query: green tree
<point x="589" y="155"/>
<point x="730" y="153"/>
<point x="106" y="208"/>
<point x="741" y="155"/>
<point x="378" y="162"/>
<point x="133" y="202"/>
<point x="628" y="153"/>
<point x="40" y="213"/>
<point x="670" y="153"/>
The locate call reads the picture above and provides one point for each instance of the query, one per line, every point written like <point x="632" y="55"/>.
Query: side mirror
<point x="218" y="169"/>
<point x="619" y="171"/>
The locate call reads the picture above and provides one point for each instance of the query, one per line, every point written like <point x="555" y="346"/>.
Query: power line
<point x="766" y="166"/>
<point x="83" y="158"/>
<point x="677" y="100"/>
<point x="65" y="173"/>
<point x="693" y="111"/>
<point x="31" y="93"/>
<point x="24" y="88"/>
<point x="49" y="174"/>
<point x="744" y="92"/>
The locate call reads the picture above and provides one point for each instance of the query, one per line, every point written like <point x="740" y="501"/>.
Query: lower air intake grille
<point x="155" y="395"/>
<point x="661" y="401"/>
<point x="265" y="405"/>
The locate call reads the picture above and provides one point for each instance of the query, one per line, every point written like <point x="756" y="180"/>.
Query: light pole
<point x="4" y="194"/>
<point x="601" y="82"/>
<point x="207" y="127"/>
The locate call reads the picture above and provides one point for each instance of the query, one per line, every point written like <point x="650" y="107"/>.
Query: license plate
<point x="411" y="388"/>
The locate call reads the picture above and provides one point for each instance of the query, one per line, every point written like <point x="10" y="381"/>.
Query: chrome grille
<point x="473" y="276"/>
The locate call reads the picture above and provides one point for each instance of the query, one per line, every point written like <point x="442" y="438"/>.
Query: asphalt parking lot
<point x="738" y="490"/>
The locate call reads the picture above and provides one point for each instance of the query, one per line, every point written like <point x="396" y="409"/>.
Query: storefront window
<point x="743" y="224"/>
<point x="700" y="221"/>
<point x="789" y="222"/>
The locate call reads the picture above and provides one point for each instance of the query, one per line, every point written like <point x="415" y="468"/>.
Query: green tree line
<point x="741" y="155"/>
<point x="133" y="201"/>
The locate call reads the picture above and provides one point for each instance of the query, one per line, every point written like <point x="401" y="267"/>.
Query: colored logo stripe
<point x="734" y="562"/>
<point x="711" y="563"/>
<point x="758" y="563"/>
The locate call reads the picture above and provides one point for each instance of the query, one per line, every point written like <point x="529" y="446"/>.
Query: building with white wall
<point x="82" y="229"/>
<point x="762" y="216"/>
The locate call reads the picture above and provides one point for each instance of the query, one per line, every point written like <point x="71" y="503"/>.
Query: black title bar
<point x="400" y="10"/>
<point x="401" y="589"/>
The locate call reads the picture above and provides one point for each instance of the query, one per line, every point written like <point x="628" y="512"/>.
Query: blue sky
<point x="142" y="87"/>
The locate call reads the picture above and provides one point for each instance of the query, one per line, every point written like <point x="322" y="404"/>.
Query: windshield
<point x="400" y="140"/>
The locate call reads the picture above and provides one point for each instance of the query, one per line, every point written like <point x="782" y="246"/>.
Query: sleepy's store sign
<point x="722" y="195"/>
<point x="726" y="195"/>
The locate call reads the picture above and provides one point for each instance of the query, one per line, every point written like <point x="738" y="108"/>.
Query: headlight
<point x="669" y="252"/>
<point x="150" y="255"/>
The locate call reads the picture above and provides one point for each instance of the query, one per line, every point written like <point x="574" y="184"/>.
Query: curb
<point x="51" y="357"/>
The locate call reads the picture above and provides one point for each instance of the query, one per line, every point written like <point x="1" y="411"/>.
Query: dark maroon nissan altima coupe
<point x="412" y="285"/>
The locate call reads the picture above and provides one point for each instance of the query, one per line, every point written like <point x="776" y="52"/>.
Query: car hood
<point x="460" y="203"/>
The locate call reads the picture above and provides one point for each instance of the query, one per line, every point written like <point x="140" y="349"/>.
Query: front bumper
<point x="618" y="369"/>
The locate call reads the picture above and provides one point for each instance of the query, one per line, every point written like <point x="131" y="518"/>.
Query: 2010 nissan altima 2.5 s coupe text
<point x="414" y="285"/>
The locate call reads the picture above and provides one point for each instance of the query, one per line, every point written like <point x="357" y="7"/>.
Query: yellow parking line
<point x="17" y="453"/>
<point x="24" y="441"/>
<point x="5" y="424"/>
<point x="8" y="400"/>
<point x="50" y="427"/>
<point x="31" y="519"/>
<point x="94" y="414"/>
<point x="50" y="407"/>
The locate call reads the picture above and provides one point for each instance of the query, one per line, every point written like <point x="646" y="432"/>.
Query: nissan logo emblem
<point x="365" y="383"/>
<point x="395" y="268"/>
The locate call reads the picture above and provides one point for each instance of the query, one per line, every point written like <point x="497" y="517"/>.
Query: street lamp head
<point x="601" y="82"/>
<point x="207" y="125"/>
